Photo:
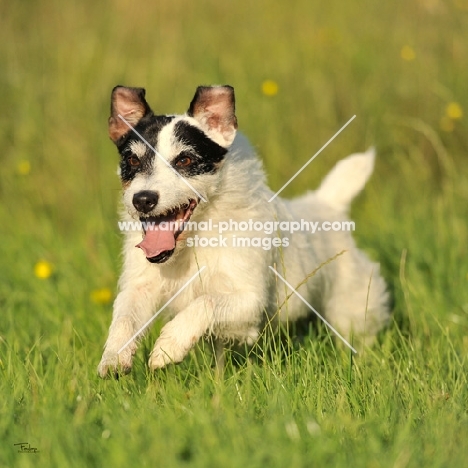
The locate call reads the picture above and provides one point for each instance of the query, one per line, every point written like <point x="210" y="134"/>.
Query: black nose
<point x="145" y="201"/>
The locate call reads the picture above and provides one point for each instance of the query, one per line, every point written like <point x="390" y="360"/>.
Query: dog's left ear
<point x="129" y="103"/>
<point x="214" y="108"/>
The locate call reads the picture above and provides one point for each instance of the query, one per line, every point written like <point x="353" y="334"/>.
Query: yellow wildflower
<point x="101" y="296"/>
<point x="407" y="53"/>
<point x="23" y="168"/>
<point x="454" y="111"/>
<point x="269" y="88"/>
<point x="43" y="269"/>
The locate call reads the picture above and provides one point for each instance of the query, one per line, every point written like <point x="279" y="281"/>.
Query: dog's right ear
<point x="130" y="104"/>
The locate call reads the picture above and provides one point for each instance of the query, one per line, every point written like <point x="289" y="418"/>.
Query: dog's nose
<point x="145" y="201"/>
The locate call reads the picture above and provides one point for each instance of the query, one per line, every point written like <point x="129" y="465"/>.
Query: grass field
<point x="399" y="66"/>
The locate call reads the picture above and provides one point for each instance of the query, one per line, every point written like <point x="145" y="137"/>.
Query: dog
<point x="193" y="173"/>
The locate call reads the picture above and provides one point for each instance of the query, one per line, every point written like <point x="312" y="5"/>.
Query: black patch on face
<point x="148" y="127"/>
<point x="205" y="155"/>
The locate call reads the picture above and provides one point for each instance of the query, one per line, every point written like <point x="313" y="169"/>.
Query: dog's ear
<point x="129" y="103"/>
<point x="214" y="108"/>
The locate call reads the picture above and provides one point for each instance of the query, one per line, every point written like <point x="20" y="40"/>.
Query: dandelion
<point x="454" y="111"/>
<point x="270" y="88"/>
<point x="407" y="53"/>
<point x="23" y="168"/>
<point x="43" y="269"/>
<point x="101" y="296"/>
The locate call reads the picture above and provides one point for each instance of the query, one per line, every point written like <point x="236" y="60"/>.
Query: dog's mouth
<point x="161" y="232"/>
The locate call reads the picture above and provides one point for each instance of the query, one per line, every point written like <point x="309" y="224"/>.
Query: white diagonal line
<point x="312" y="158"/>
<point x="161" y="309"/>
<point x="158" y="154"/>
<point x="313" y="310"/>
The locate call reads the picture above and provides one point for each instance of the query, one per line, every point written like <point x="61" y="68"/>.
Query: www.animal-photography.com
<point x="234" y="234"/>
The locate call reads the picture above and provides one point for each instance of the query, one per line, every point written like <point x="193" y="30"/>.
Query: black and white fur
<point x="236" y="291"/>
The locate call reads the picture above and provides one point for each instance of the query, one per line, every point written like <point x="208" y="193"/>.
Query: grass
<point x="397" y="67"/>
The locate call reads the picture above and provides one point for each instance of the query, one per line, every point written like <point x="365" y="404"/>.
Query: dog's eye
<point x="184" y="161"/>
<point x="133" y="161"/>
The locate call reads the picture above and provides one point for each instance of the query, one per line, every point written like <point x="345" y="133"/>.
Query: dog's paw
<point x="113" y="364"/>
<point x="166" y="351"/>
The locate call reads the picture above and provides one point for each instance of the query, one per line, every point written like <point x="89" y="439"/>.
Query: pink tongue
<point x="157" y="241"/>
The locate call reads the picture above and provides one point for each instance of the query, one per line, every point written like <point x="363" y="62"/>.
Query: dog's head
<point x="170" y="163"/>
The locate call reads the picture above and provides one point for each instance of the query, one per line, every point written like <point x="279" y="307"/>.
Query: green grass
<point x="296" y="404"/>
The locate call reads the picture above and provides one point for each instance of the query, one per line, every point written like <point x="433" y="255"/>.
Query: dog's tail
<point x="346" y="180"/>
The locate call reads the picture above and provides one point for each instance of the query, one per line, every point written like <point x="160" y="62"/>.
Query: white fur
<point x="237" y="290"/>
<point x="139" y="148"/>
<point x="346" y="180"/>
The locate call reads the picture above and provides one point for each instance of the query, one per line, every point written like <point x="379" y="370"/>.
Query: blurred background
<point x="300" y="71"/>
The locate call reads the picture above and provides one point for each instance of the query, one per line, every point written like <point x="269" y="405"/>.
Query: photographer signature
<point x="25" y="447"/>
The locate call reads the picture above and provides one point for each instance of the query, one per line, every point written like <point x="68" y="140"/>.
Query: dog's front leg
<point x="202" y="316"/>
<point x="180" y="334"/>
<point x="132" y="308"/>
